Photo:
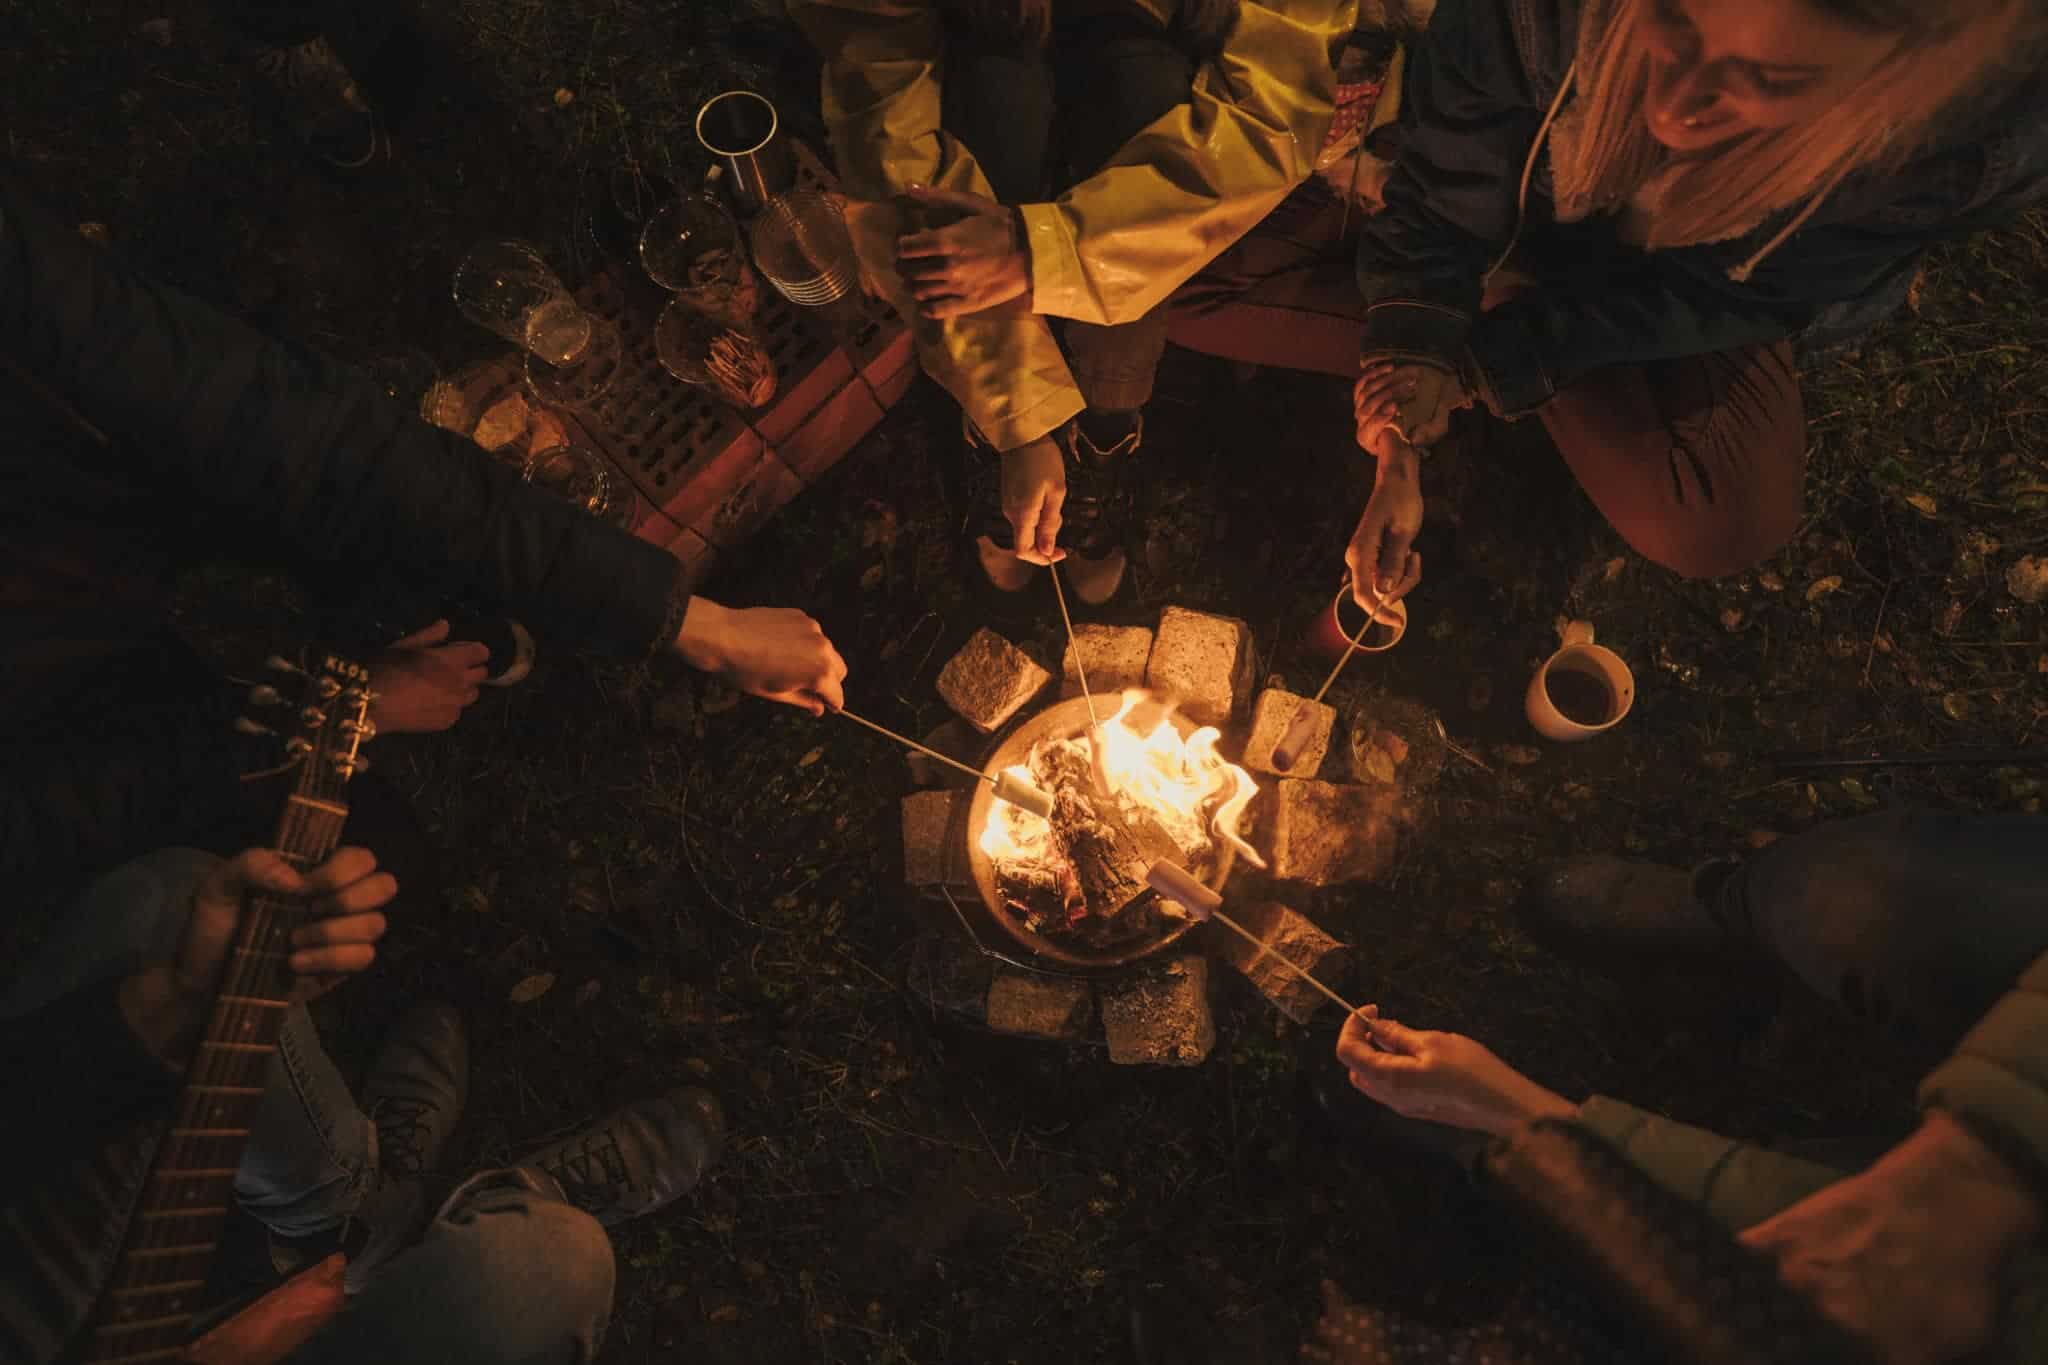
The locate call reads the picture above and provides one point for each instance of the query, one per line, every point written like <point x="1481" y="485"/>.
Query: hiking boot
<point x="316" y="97"/>
<point x="1632" y="907"/>
<point x="639" y="1159"/>
<point x="414" y="1097"/>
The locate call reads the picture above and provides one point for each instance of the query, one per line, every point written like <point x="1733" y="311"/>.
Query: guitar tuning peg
<point x="277" y="663"/>
<point x="244" y="725"/>
<point x="263" y="694"/>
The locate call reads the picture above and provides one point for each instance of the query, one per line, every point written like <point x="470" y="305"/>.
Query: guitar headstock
<point x="322" y="712"/>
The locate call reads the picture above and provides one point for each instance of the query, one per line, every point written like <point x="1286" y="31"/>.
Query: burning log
<point x="1111" y="844"/>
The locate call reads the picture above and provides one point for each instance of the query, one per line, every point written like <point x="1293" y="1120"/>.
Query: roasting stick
<point x="1007" y="788"/>
<point x="1098" y="752"/>
<point x="1177" y="884"/>
<point x="1299" y="726"/>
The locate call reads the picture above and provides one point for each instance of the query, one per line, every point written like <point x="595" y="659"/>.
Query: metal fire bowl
<point x="1062" y="720"/>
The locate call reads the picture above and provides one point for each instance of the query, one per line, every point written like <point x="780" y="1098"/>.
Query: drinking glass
<point x="582" y="477"/>
<point x="581" y="380"/>
<point x="709" y="351"/>
<point x="692" y="247"/>
<point x="507" y="288"/>
<point x="801" y="244"/>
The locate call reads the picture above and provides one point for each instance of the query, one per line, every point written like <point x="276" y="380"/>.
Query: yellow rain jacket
<point x="1115" y="244"/>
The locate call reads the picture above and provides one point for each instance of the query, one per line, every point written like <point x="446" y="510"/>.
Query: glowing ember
<point x="1188" y="790"/>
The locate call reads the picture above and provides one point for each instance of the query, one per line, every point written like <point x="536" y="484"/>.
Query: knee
<point x="1736" y="531"/>
<point x="518" y="1278"/>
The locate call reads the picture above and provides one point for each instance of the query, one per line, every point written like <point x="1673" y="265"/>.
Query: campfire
<point x="1157" y="789"/>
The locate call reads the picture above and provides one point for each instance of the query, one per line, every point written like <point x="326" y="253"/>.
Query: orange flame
<point x="1197" y="796"/>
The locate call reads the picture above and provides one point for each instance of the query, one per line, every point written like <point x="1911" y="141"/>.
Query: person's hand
<point x="1415" y="400"/>
<point x="1908" y="1253"/>
<point x="774" y="652"/>
<point x="344" y="898"/>
<point x="967" y="266"/>
<point x="1383" y="564"/>
<point x="1360" y="177"/>
<point x="1034" y="491"/>
<point x="422" y="683"/>
<point x="1440" y="1077"/>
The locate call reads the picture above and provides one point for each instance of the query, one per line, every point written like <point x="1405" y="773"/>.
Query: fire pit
<point x="1071" y="890"/>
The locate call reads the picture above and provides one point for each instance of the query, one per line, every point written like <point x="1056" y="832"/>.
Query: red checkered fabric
<point x="1354" y="107"/>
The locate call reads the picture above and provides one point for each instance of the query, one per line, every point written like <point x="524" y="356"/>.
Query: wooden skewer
<point x="1080" y="669"/>
<point x="1178" y="885"/>
<point x="1328" y="994"/>
<point x="1008" y="788"/>
<point x="1290" y="745"/>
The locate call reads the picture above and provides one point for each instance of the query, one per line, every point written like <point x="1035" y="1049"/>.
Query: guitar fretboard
<point x="146" y="1309"/>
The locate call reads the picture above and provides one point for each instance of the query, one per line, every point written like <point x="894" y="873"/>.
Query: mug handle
<point x="1576" y="633"/>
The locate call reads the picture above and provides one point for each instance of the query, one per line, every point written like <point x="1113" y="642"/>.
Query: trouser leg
<point x="506" y="1274"/>
<point x="1917" y="920"/>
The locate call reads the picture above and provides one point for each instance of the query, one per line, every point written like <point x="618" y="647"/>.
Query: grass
<point x="713" y="883"/>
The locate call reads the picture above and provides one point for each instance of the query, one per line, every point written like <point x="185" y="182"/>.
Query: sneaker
<point x="414" y="1097"/>
<point x="319" y="100"/>
<point x="1631" y="907"/>
<point x="639" y="1159"/>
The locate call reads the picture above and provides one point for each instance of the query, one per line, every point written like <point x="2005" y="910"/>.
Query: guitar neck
<point x="145" y="1311"/>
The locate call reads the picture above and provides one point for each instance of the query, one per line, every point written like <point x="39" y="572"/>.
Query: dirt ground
<point x="713" y="885"/>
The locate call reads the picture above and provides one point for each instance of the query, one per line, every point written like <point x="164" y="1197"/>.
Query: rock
<point x="1272" y="715"/>
<point x="1202" y="663"/>
<point x="934" y="842"/>
<point x="1324" y="833"/>
<point x="1114" y="656"/>
<point x="1035" y="1005"/>
<point x="989" y="681"/>
<point x="1295" y="937"/>
<point x="1159" y="1016"/>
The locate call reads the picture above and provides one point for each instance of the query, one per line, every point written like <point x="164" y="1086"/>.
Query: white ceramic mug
<point x="1594" y="680"/>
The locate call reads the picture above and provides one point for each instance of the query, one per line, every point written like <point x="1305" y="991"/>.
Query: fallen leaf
<point x="1956" y="706"/>
<point x="1821" y="587"/>
<point x="2027" y="579"/>
<point x="588" y="991"/>
<point x="1951" y="617"/>
<point x="725" y="1312"/>
<point x="1923" y="504"/>
<point x="1396" y="747"/>
<point x="1857" y="792"/>
<point x="1770" y="582"/>
<point x="1731" y="619"/>
<point x="96" y="233"/>
<point x="1720" y="760"/>
<point x="158" y="31"/>
<point x="812" y="757"/>
<point x="1763" y="838"/>
<point x="564" y="97"/>
<point x="1614" y="568"/>
<point x="871" y="578"/>
<point x="470" y="898"/>
<point x="1521" y="755"/>
<point x="532" y="988"/>
<point x="1378" y="766"/>
<point x="697" y="1066"/>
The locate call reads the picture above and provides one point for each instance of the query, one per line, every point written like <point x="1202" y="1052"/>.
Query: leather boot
<point x="640" y="1158"/>
<point x="1621" y="905"/>
<point x="414" y="1096"/>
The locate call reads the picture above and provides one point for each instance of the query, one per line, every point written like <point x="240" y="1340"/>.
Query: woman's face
<point x="1726" y="68"/>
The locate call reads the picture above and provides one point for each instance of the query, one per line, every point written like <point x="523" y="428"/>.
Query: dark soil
<point x="714" y="883"/>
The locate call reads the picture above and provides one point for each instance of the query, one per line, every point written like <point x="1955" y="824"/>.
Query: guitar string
<point x="306" y="841"/>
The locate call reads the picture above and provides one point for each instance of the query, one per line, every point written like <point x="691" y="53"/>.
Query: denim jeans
<point x="505" y="1272"/>
<point x="1915" y="920"/>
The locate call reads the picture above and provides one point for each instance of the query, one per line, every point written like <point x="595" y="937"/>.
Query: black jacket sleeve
<point x="285" y="439"/>
<point x="1468" y="118"/>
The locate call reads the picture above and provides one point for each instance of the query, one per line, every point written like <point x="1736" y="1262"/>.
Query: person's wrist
<point x="1395" y="455"/>
<point x="701" y="641"/>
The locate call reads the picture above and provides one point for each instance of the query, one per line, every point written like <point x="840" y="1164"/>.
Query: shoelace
<point x="402" y="1135"/>
<point x="594" y="1172"/>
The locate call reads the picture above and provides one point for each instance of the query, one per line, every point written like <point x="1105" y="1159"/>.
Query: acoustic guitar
<point x="165" y="1188"/>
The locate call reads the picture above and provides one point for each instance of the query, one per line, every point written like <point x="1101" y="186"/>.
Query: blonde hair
<point x="1202" y="24"/>
<point x="1609" y="161"/>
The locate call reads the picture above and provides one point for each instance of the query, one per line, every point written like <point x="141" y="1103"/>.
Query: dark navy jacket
<point x="1477" y="85"/>
<point x="224" y="440"/>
